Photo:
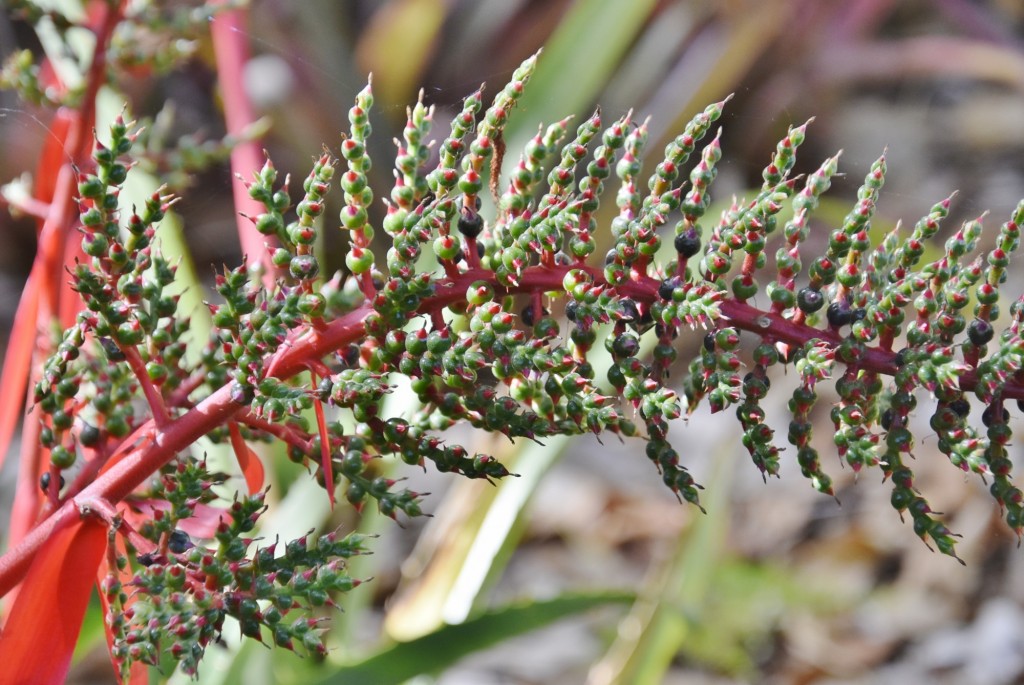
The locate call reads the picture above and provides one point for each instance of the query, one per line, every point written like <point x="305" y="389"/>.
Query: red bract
<point x="41" y="631"/>
<point x="248" y="461"/>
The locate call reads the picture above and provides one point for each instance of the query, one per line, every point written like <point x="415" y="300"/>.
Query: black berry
<point x="629" y="310"/>
<point x="626" y="345"/>
<point x="988" y="415"/>
<point x="667" y="287"/>
<point x="838" y="315"/>
<point x="809" y="300"/>
<point x="179" y="542"/>
<point x="111" y="349"/>
<point x="470" y="223"/>
<point x="688" y="243"/>
<point x="961" y="406"/>
<point x="886" y="419"/>
<point x="980" y="332"/>
<point x="44" y="482"/>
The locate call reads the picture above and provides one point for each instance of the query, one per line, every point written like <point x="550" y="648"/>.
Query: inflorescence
<point x="493" y="318"/>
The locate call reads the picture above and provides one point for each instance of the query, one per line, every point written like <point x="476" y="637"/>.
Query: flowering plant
<point x="492" y="317"/>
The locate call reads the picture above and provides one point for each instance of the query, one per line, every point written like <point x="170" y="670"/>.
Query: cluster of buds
<point x="181" y="591"/>
<point x="128" y="317"/>
<point x="496" y="324"/>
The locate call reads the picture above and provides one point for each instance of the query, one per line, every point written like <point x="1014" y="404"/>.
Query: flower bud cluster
<point x="358" y="194"/>
<point x="787" y="258"/>
<point x="495" y="327"/>
<point x="757" y="435"/>
<point x="715" y="373"/>
<point x="128" y="314"/>
<point x="814" y="363"/>
<point x="182" y="589"/>
<point x="21" y="72"/>
<point x="529" y="172"/>
<point x="583" y="226"/>
<point x="537" y="232"/>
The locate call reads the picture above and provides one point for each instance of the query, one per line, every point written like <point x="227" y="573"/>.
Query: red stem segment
<point x="120" y="479"/>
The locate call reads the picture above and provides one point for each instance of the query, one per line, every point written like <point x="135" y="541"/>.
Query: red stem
<point x="126" y="475"/>
<point x="153" y="396"/>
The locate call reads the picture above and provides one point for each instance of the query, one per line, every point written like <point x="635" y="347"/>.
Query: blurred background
<point x="776" y="584"/>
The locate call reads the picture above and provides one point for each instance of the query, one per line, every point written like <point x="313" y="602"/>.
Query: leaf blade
<point x="39" y="639"/>
<point x="442" y="648"/>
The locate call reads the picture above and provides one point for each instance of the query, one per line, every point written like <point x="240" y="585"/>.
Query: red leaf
<point x="42" y="629"/>
<point x="17" y="363"/>
<point x="53" y="155"/>
<point x="231" y="51"/>
<point x="252" y="467"/>
<point x="325" y="451"/>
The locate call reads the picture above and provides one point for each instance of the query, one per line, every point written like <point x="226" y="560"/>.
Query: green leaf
<point x="568" y="78"/>
<point x="433" y="653"/>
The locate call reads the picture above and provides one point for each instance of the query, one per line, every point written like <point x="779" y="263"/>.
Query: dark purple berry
<point x="470" y="223"/>
<point x="663" y="332"/>
<point x="900" y="360"/>
<point x="89" y="436"/>
<point x="324" y="388"/>
<point x="809" y="300"/>
<point x="709" y="342"/>
<point x="570" y="310"/>
<point x="242" y="393"/>
<point x="980" y="332"/>
<point x="688" y="243"/>
<point x="667" y="287"/>
<point x="350" y="355"/>
<point x="626" y="345"/>
<point x="886" y="419"/>
<point x="148" y="558"/>
<point x="838" y="315"/>
<point x="961" y="406"/>
<point x="527" y="315"/>
<point x="629" y="310"/>
<point x="111" y="349"/>
<point x="179" y="542"/>
<point x="988" y="416"/>
<point x="44" y="482"/>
